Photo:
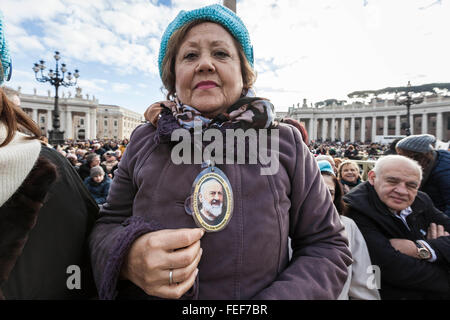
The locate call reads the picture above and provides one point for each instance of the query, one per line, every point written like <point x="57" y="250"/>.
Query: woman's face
<point x="330" y="184"/>
<point x="208" y="70"/>
<point x="350" y="173"/>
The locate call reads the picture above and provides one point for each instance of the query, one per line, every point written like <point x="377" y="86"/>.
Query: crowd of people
<point x="95" y="161"/>
<point x="134" y="221"/>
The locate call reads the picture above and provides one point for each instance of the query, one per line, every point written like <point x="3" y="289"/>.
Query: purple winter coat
<point x="249" y="259"/>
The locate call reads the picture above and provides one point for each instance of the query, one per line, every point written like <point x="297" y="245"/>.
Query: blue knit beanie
<point x="4" y="54"/>
<point x="324" y="165"/>
<point x="215" y="13"/>
<point x="421" y="143"/>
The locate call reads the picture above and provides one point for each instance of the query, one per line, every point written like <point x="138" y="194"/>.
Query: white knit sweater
<point x="17" y="159"/>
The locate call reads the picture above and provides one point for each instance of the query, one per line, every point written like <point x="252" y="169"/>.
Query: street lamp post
<point x="56" y="78"/>
<point x="230" y="4"/>
<point x="407" y="100"/>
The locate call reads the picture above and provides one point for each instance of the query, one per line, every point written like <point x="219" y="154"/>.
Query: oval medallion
<point x="211" y="200"/>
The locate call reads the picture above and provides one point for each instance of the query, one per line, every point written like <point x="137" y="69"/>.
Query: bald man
<point x="407" y="237"/>
<point x="211" y="198"/>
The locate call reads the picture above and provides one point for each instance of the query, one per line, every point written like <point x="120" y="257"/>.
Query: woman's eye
<point x="221" y="54"/>
<point x="190" y="55"/>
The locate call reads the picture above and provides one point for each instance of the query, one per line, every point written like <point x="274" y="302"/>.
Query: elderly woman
<point x="150" y="241"/>
<point x="349" y="175"/>
<point x="45" y="211"/>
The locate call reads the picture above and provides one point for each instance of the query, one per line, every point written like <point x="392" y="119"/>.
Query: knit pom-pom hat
<point x="421" y="143"/>
<point x="5" y="59"/>
<point x="215" y="13"/>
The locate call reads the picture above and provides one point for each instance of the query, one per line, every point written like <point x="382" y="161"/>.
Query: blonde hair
<point x="348" y="162"/>
<point x="168" y="65"/>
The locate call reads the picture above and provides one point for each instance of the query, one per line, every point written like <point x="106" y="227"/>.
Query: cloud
<point x="121" y="87"/>
<point x="303" y="49"/>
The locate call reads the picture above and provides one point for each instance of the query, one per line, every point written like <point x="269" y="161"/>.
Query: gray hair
<point x="381" y="162"/>
<point x="325" y="157"/>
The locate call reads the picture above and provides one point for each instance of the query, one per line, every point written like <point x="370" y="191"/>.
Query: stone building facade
<point x="81" y="117"/>
<point x="360" y="122"/>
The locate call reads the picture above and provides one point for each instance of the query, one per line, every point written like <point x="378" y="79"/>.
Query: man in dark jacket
<point x="406" y="235"/>
<point x="435" y="166"/>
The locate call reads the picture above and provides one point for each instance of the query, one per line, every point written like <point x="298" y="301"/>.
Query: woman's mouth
<point x="206" y="85"/>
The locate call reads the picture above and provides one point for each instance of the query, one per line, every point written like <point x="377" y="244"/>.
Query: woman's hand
<point x="153" y="255"/>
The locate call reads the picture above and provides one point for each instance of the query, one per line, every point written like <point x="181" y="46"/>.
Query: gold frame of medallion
<point x="197" y="215"/>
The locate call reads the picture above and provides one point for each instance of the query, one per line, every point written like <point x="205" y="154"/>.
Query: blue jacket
<point x="99" y="191"/>
<point x="437" y="185"/>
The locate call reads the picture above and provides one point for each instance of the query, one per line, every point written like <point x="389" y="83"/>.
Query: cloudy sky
<point x="304" y="49"/>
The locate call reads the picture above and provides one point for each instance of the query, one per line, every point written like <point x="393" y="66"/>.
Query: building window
<point x="115" y="123"/>
<point x="82" y="121"/>
<point x="42" y="119"/>
<point x="106" y="123"/>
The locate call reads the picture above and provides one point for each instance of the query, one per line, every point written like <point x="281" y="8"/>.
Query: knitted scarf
<point x="17" y="159"/>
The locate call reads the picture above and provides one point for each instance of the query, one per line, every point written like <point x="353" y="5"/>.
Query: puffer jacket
<point x="99" y="191"/>
<point x="437" y="185"/>
<point x="249" y="258"/>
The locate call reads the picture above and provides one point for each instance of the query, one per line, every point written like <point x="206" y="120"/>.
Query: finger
<point x="446" y="234"/>
<point x="182" y="274"/>
<point x="433" y="231"/>
<point x="183" y="257"/>
<point x="440" y="231"/>
<point x="172" y="239"/>
<point x="177" y="291"/>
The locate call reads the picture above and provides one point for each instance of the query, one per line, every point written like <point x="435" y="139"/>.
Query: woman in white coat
<point x="361" y="282"/>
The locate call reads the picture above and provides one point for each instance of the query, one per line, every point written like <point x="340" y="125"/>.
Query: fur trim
<point x="19" y="214"/>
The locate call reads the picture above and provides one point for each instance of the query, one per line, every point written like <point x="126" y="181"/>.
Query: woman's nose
<point x="205" y="64"/>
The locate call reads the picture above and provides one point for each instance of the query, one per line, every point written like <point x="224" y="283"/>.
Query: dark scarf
<point x="351" y="184"/>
